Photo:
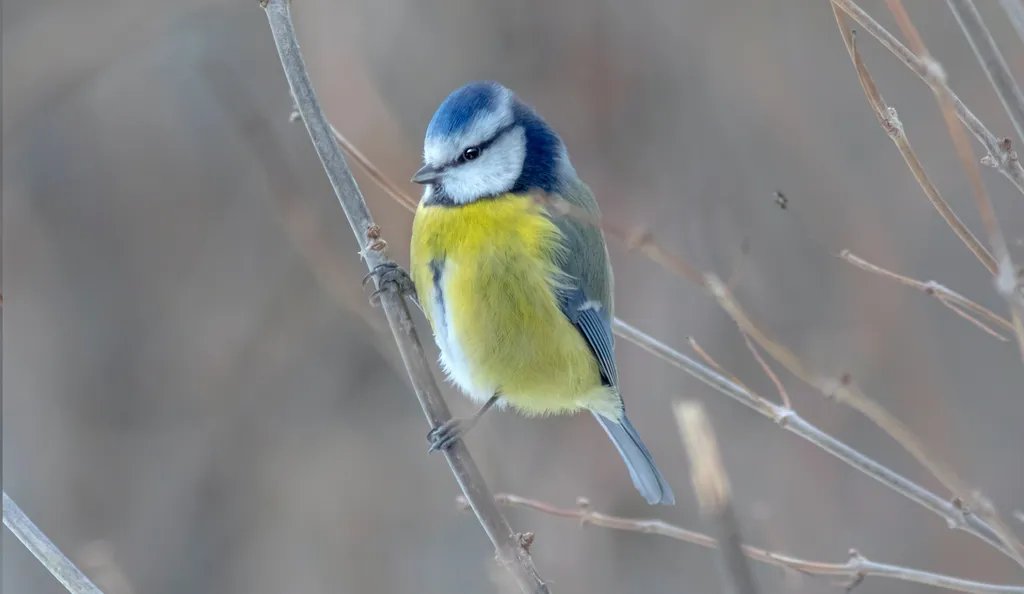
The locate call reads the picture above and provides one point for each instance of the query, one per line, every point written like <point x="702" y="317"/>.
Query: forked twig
<point x="768" y="371"/>
<point x="951" y="299"/>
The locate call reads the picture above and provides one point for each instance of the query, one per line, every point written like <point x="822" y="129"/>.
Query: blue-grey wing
<point x="591" y="319"/>
<point x="587" y="298"/>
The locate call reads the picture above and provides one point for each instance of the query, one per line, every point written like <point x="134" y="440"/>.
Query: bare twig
<point x="856" y="568"/>
<point x="846" y="391"/>
<point x="509" y="550"/>
<point x="768" y="371"/>
<point x="894" y="128"/>
<point x="1000" y="152"/>
<point x="1007" y="282"/>
<point x="1008" y="278"/>
<point x="1014" y="9"/>
<point x="1000" y="265"/>
<point x="951" y="299"/>
<point x="991" y="59"/>
<point x="788" y="419"/>
<point x="711" y="485"/>
<point x="45" y="551"/>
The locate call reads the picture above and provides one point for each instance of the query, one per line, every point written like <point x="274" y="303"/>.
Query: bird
<point x="518" y="295"/>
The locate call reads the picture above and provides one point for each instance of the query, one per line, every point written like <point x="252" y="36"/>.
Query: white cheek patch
<point x="493" y="173"/>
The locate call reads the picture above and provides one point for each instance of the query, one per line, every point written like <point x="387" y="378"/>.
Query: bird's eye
<point x="471" y="153"/>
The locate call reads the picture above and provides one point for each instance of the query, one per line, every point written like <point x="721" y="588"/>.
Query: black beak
<point x="426" y="175"/>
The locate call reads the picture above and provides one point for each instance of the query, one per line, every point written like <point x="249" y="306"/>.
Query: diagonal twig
<point x="991" y="59"/>
<point x="45" y="551"/>
<point x="1000" y="151"/>
<point x="961" y="305"/>
<point x="509" y="550"/>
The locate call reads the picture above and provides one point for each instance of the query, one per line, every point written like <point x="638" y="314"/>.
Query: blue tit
<point x="519" y="299"/>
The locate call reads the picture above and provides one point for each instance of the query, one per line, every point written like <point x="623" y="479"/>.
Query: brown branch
<point x="1000" y="152"/>
<point x="846" y="391"/>
<point x="954" y="516"/>
<point x="768" y="371"/>
<point x="947" y="297"/>
<point x="508" y="547"/>
<point x="890" y="122"/>
<point x="711" y="485"/>
<point x="1007" y="283"/>
<point x="856" y="568"/>
<point x="1000" y="265"/>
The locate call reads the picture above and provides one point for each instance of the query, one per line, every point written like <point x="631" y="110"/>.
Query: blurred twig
<point x="991" y="60"/>
<point x="1000" y="151"/>
<point x="960" y="305"/>
<point x="768" y="371"/>
<point x="711" y="485"/>
<point x="45" y="551"/>
<point x="1006" y="274"/>
<point x="955" y="516"/>
<point x="847" y="391"/>
<point x="1008" y="278"/>
<point x="1015" y="11"/>
<point x="509" y="550"/>
<point x="892" y="125"/>
<point x="856" y="568"/>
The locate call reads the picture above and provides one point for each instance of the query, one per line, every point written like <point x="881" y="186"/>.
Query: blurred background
<point x="198" y="398"/>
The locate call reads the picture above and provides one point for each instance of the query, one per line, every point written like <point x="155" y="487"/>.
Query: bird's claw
<point x="390" y="277"/>
<point x="446" y="434"/>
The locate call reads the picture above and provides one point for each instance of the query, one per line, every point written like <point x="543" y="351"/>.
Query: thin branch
<point x="856" y="568"/>
<point x="1014" y="9"/>
<point x="510" y="551"/>
<point x="1000" y="151"/>
<point x="710" y="361"/>
<point x="1006" y="274"/>
<point x="1008" y="281"/>
<point x="768" y="371"/>
<point x="991" y="59"/>
<point x="955" y="517"/>
<point x="946" y="296"/>
<point x="711" y="485"/>
<point x="45" y="551"/>
<point x="846" y="391"/>
<point x="890" y="122"/>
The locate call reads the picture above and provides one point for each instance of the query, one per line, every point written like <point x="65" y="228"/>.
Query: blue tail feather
<point x="646" y="476"/>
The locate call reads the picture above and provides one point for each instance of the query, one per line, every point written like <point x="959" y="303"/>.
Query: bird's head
<point x="483" y="142"/>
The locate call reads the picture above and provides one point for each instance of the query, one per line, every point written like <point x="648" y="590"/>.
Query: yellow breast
<point x="485" y="275"/>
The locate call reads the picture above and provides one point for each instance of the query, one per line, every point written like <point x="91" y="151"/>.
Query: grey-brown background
<point x="188" y="409"/>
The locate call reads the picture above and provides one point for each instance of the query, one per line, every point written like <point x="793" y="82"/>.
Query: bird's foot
<point x="390" y="277"/>
<point x="446" y="434"/>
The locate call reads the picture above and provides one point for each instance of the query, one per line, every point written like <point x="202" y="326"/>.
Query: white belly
<point x="453" y="358"/>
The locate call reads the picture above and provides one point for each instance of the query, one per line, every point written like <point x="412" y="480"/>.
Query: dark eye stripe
<point x="483" y="145"/>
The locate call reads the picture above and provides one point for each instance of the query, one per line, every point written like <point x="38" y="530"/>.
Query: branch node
<point x="526" y="540"/>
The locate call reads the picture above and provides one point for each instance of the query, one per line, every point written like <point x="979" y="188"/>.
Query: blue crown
<point x="459" y="109"/>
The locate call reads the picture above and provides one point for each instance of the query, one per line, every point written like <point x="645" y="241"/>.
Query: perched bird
<point x="519" y="298"/>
